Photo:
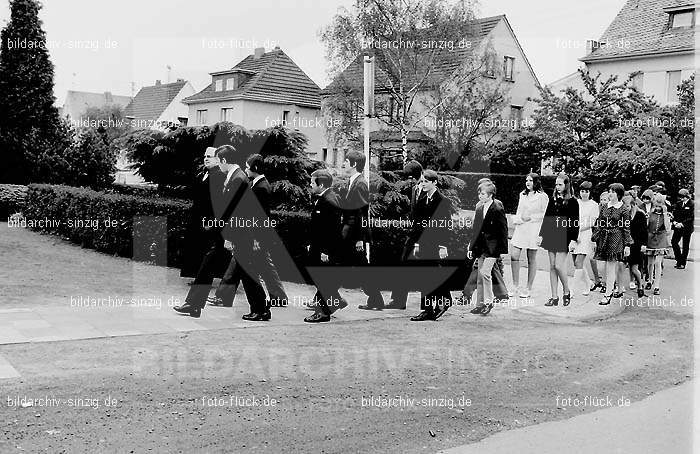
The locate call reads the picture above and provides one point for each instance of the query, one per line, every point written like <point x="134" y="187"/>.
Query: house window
<point x="638" y="82"/>
<point x="230" y="84"/>
<point x="674" y="80"/>
<point x="227" y="114"/>
<point x="516" y="116"/>
<point x="490" y="66"/>
<point x="324" y="154"/>
<point x="285" y="118"/>
<point x="182" y="120"/>
<point x="202" y="117"/>
<point x="297" y="121"/>
<point x="219" y="85"/>
<point x="335" y="157"/>
<point x="682" y="19"/>
<point x="508" y="64"/>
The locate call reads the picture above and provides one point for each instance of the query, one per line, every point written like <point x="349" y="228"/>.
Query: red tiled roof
<point x="641" y="28"/>
<point x="277" y="79"/>
<point x="150" y="102"/>
<point x="443" y="63"/>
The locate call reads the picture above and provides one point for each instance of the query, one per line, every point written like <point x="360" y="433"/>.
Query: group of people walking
<point x="231" y="210"/>
<point x="622" y="230"/>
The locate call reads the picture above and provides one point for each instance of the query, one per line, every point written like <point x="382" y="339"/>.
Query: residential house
<point x="78" y="102"/>
<point x="159" y="106"/>
<point x="493" y="34"/>
<point x="263" y="90"/>
<point x="655" y="38"/>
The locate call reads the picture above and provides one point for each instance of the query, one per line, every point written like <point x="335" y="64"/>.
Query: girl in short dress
<point x="659" y="225"/>
<point x="612" y="237"/>
<point x="638" y="231"/>
<point x="559" y="232"/>
<point x="588" y="213"/>
<point x="528" y="220"/>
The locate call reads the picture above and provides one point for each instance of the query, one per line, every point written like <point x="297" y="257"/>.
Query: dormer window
<point x="682" y="19"/>
<point x="681" y="16"/>
<point x="219" y="85"/>
<point x="230" y="84"/>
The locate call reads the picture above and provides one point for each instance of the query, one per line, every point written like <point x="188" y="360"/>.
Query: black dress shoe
<point x="261" y="317"/>
<point x="318" y="317"/>
<point x="249" y="316"/>
<point x="596" y="286"/>
<point x="425" y="315"/>
<point x="188" y="309"/>
<point x="478" y="308"/>
<point x="647" y="286"/>
<point x="487" y="308"/>
<point x="367" y="307"/>
<point x="640" y="293"/>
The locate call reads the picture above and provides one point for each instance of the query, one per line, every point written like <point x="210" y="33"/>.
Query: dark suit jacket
<point x="263" y="191"/>
<point x="238" y="202"/>
<point x="206" y="205"/>
<point x="325" y="227"/>
<point x="355" y="208"/>
<point x="489" y="231"/>
<point x="685" y="214"/>
<point x="430" y="224"/>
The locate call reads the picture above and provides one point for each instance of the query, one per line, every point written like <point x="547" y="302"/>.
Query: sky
<point x="100" y="46"/>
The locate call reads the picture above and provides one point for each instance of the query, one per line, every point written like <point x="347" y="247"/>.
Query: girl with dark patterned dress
<point x="558" y="235"/>
<point x="613" y="238"/>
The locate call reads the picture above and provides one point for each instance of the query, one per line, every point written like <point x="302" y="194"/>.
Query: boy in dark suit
<point x="325" y="236"/>
<point x="264" y="240"/>
<point x="400" y="294"/>
<point x="489" y="241"/>
<point x="432" y="215"/>
<point x="355" y="231"/>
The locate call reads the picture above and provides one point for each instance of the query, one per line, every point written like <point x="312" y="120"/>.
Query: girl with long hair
<point x="532" y="206"/>
<point x="558" y="236"/>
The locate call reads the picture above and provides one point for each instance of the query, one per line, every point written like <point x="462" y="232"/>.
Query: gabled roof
<point x="275" y="79"/>
<point x="443" y="62"/>
<point x="77" y="102"/>
<point x="150" y="102"/>
<point x="641" y="29"/>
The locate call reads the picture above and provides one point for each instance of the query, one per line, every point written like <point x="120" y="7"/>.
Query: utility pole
<point x="369" y="113"/>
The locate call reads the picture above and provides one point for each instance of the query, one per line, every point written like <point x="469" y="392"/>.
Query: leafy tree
<point x="107" y="121"/>
<point x="409" y="40"/>
<point x="29" y="121"/>
<point x="572" y="128"/>
<point x="174" y="158"/>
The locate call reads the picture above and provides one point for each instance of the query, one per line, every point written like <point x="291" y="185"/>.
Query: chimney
<point x="108" y="98"/>
<point x="259" y="52"/>
<point x="157" y="82"/>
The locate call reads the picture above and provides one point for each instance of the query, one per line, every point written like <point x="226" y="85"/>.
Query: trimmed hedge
<point x="72" y="213"/>
<point x="12" y="197"/>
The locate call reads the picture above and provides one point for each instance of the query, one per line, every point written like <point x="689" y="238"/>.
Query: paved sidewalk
<point x="661" y="423"/>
